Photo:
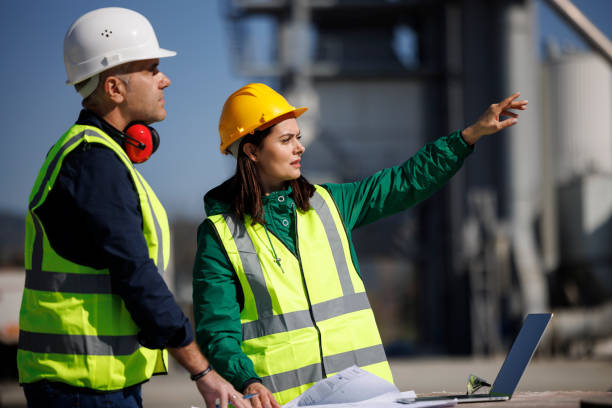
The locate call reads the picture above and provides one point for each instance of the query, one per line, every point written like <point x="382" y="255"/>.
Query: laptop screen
<point x="522" y="349"/>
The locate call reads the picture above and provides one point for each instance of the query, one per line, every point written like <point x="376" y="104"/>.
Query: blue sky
<point x="39" y="107"/>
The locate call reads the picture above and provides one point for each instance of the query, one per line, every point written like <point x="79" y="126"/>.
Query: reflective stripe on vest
<point x="262" y="326"/>
<point x="70" y="310"/>
<point x="78" y="344"/>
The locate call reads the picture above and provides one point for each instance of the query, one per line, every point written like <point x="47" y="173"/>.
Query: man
<point x="96" y="314"/>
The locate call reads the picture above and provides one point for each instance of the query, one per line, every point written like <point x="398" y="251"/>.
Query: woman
<point x="278" y="299"/>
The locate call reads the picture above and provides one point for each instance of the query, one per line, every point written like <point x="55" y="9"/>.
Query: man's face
<point x="144" y="98"/>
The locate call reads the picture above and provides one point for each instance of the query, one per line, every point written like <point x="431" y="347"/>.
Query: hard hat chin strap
<point x="233" y="148"/>
<point x="90" y="86"/>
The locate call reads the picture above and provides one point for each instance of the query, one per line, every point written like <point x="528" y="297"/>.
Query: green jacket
<point x="217" y="296"/>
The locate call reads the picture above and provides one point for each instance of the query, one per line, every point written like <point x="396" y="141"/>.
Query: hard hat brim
<point x="161" y="53"/>
<point x="165" y="53"/>
<point x="296" y="113"/>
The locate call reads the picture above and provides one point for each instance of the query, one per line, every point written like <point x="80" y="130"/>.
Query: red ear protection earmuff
<point x="141" y="141"/>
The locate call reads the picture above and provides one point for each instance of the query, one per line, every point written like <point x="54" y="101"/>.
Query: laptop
<point x="513" y="368"/>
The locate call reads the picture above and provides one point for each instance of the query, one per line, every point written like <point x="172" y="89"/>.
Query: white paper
<point x="349" y="385"/>
<point x="389" y="400"/>
<point x="354" y="388"/>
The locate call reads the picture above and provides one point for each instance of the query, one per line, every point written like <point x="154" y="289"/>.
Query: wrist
<point x="249" y="382"/>
<point x="469" y="135"/>
<point x="197" y="376"/>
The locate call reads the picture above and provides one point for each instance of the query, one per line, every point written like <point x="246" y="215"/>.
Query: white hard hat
<point x="105" y="38"/>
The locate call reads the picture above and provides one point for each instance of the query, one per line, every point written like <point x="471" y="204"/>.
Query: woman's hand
<point x="263" y="399"/>
<point x="489" y="122"/>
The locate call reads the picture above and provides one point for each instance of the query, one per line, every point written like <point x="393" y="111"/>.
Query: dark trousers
<point x="45" y="394"/>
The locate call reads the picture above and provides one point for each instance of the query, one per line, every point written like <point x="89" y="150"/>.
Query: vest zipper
<point x="314" y="323"/>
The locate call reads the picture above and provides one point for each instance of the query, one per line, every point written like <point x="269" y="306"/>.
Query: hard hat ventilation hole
<point x="106" y="33"/>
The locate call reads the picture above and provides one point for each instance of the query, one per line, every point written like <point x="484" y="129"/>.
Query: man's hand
<point x="489" y="122"/>
<point x="263" y="399"/>
<point x="213" y="386"/>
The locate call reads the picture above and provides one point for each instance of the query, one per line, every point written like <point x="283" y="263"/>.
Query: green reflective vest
<point x="73" y="328"/>
<point x="306" y="317"/>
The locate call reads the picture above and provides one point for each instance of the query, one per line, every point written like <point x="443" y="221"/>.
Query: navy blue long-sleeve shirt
<point x="92" y="217"/>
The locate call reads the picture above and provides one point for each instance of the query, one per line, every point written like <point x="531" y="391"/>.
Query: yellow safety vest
<point x="73" y="328"/>
<point x="308" y="317"/>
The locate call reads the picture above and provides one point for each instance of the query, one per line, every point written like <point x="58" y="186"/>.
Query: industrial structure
<point x="528" y="216"/>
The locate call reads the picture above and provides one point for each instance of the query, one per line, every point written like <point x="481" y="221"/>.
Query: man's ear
<point x="115" y="89"/>
<point x="251" y="151"/>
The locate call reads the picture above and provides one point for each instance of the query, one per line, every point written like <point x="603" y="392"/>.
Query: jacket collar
<point x="273" y="196"/>
<point x="218" y="200"/>
<point x="88" y="118"/>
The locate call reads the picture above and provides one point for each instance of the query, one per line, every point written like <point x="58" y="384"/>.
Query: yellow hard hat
<point x="252" y="107"/>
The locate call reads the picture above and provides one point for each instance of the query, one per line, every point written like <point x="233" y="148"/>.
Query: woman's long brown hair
<point x="246" y="184"/>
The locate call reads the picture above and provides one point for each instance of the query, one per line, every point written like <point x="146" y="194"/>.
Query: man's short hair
<point x="93" y="99"/>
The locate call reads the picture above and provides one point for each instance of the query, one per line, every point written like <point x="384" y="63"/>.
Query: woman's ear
<point x="251" y="151"/>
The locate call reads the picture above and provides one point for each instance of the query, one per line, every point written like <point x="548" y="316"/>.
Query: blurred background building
<point x="525" y="226"/>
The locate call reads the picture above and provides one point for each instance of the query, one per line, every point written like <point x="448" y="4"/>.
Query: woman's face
<point x="278" y="156"/>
